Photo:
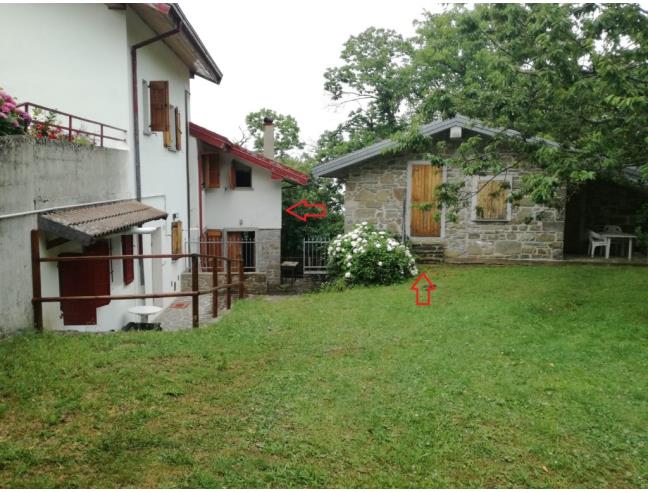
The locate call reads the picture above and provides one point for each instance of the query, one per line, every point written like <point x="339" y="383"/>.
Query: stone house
<point x="396" y="192"/>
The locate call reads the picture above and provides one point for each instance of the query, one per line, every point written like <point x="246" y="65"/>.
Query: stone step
<point x="428" y="253"/>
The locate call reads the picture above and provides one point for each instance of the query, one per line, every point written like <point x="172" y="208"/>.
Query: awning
<point x="86" y="224"/>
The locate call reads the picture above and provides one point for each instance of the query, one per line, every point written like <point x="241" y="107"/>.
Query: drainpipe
<point x="186" y="130"/>
<point x="136" y="143"/>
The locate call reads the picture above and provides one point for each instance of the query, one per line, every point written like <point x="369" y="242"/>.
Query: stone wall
<point x="255" y="283"/>
<point x="534" y="231"/>
<point x="376" y="192"/>
<point x="268" y="259"/>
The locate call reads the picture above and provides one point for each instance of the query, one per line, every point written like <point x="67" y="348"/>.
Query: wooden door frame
<point x="408" y="201"/>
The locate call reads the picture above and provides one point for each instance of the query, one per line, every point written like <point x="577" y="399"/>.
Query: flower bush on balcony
<point x="13" y="121"/>
<point x="366" y="256"/>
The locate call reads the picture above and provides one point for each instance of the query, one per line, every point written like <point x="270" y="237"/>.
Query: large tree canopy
<point x="573" y="74"/>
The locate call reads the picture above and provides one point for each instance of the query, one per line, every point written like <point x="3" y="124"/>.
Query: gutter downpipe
<point x="136" y="142"/>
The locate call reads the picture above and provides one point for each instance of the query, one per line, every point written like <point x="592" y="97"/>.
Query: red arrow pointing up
<point x="430" y="287"/>
<point x="304" y="203"/>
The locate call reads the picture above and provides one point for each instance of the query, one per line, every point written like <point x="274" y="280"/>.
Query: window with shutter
<point x="178" y="130"/>
<point x="176" y="237"/>
<point x="159" y="103"/>
<point x="491" y="200"/>
<point x="128" y="265"/>
<point x="211" y="170"/>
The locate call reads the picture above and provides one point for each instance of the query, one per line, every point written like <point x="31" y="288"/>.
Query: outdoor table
<point x="144" y="311"/>
<point x="620" y="235"/>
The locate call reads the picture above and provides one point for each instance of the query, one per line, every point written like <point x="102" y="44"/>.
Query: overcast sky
<point x="274" y="53"/>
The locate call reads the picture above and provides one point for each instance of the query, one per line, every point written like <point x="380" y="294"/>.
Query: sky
<point x="273" y="54"/>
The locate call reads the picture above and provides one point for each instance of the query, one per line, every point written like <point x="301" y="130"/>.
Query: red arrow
<point x="428" y="289"/>
<point x="304" y="203"/>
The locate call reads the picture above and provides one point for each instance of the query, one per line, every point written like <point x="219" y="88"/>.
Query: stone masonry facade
<point x="376" y="192"/>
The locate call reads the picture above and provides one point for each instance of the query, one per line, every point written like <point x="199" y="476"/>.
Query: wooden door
<point x="212" y="245"/>
<point x="423" y="202"/>
<point x="84" y="279"/>
<point x="234" y="247"/>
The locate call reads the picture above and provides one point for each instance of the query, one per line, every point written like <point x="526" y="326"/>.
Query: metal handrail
<point x="72" y="117"/>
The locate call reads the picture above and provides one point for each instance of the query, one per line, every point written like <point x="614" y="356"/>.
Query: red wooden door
<point x="81" y="278"/>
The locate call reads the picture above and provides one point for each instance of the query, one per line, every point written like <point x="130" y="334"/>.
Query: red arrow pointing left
<point x="304" y="203"/>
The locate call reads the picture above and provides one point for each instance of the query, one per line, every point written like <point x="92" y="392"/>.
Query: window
<point x="211" y="171"/>
<point x="490" y="202"/>
<point x="176" y="237"/>
<point x="240" y="176"/>
<point x="159" y="106"/>
<point x="127" y="265"/>
<point x="173" y="137"/>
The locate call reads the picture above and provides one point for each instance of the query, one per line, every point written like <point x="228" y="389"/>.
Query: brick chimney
<point x="268" y="138"/>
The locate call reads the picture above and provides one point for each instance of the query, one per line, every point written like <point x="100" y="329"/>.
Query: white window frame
<point x="473" y="201"/>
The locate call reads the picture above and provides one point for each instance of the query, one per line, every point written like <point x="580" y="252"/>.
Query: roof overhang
<point x="87" y="224"/>
<point x="335" y="167"/>
<point x="277" y="170"/>
<point x="164" y="17"/>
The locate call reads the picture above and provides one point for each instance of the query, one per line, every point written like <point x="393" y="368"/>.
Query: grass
<point x="514" y="377"/>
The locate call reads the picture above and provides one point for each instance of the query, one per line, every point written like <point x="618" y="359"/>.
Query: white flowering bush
<point x="366" y="256"/>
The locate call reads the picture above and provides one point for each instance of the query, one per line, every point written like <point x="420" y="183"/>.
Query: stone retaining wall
<point x="255" y="283"/>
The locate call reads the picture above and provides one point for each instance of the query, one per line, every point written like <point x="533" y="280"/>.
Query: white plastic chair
<point x="595" y="241"/>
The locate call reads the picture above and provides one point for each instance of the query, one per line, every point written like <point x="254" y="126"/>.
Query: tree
<point x="372" y="79"/>
<point x="285" y="127"/>
<point x="573" y="74"/>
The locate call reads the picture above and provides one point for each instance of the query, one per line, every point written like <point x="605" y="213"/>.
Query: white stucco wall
<point x="258" y="207"/>
<point x="163" y="172"/>
<point x="71" y="57"/>
<point x="79" y="62"/>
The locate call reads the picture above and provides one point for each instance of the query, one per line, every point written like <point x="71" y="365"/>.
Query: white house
<point x="238" y="204"/>
<point x="129" y="67"/>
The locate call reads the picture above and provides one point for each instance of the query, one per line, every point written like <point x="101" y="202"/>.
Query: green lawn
<point x="515" y="376"/>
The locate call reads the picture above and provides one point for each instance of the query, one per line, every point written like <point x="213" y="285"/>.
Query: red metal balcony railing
<point x="66" y="122"/>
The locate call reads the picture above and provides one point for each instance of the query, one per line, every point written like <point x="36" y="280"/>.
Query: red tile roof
<point x="278" y="170"/>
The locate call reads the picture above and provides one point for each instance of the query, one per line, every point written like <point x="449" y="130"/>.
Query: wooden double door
<point x="423" y="201"/>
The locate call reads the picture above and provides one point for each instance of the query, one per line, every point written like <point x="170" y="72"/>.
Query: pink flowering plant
<point x="13" y="121"/>
<point x="366" y="256"/>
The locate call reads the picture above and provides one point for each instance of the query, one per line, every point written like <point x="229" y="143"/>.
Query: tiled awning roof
<point x="86" y="224"/>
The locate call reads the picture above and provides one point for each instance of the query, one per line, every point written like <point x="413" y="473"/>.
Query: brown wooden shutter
<point x="211" y="169"/>
<point x="178" y="130"/>
<point x="100" y="269"/>
<point x="128" y="265"/>
<point x="232" y="177"/>
<point x="492" y="200"/>
<point x="159" y="103"/>
<point x="176" y="237"/>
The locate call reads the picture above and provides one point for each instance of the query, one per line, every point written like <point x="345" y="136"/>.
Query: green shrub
<point x="366" y="256"/>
